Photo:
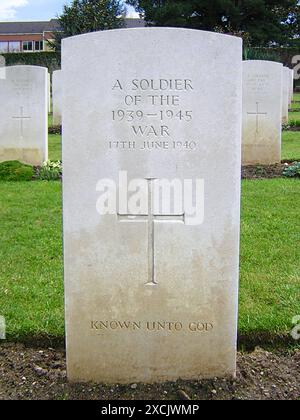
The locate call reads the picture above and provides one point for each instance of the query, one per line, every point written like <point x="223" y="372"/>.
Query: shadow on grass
<point x="246" y="342"/>
<point x="267" y="340"/>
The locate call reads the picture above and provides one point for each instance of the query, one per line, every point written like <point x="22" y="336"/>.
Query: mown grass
<point x="270" y="255"/>
<point x="54" y="147"/>
<point x="294" y="116"/>
<point x="31" y="287"/>
<point x="295" y="105"/>
<point x="50" y="120"/>
<point x="296" y="97"/>
<point x="31" y="273"/>
<point x="291" y="145"/>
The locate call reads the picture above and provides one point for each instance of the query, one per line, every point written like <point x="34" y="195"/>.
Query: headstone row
<point x="57" y="97"/>
<point x="267" y="96"/>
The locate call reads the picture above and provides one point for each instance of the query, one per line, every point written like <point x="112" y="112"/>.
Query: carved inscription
<point x="152" y="326"/>
<point x="152" y="108"/>
<point x="259" y="84"/>
<point x="22" y="87"/>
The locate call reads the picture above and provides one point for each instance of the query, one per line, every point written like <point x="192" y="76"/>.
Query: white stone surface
<point x="49" y="92"/>
<point x="262" y="104"/>
<point x="150" y="296"/>
<point x="57" y="97"/>
<point x="291" y="86"/>
<point x="23" y="115"/>
<point x="285" y="94"/>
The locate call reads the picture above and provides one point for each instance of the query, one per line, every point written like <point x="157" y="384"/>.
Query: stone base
<point x="34" y="157"/>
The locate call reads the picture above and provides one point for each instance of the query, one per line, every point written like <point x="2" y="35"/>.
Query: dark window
<point x="27" y="46"/>
<point x="38" y="46"/>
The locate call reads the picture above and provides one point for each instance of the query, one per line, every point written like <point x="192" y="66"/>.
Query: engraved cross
<point x="21" y="118"/>
<point x="150" y="218"/>
<point x="257" y="114"/>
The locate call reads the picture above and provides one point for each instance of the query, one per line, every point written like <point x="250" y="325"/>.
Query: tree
<point x="265" y="21"/>
<point x="84" y="16"/>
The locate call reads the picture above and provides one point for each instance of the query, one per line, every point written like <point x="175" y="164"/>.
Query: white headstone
<point x="2" y="67"/>
<point x="57" y="97"/>
<point x="23" y="115"/>
<point x="49" y="92"/>
<point x="291" y="86"/>
<point x="151" y="290"/>
<point x="285" y="95"/>
<point x="262" y="99"/>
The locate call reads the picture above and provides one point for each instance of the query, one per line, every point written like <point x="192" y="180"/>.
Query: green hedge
<point x="282" y="55"/>
<point x="286" y="54"/>
<point x="43" y="59"/>
<point x="52" y="60"/>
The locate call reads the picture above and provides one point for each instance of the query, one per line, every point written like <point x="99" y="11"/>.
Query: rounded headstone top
<point x="157" y="31"/>
<point x="262" y="62"/>
<point x="25" y="67"/>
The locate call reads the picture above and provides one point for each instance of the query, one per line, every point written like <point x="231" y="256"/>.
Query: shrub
<point x="294" y="123"/>
<point x="48" y="59"/>
<point x="15" y="171"/>
<point x="291" y="125"/>
<point x="55" y="129"/>
<point x="50" y="171"/>
<point x="292" y="171"/>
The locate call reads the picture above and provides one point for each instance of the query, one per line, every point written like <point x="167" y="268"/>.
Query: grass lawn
<point x="291" y="145"/>
<point x="50" y="120"/>
<point x="31" y="279"/>
<point x="54" y="147"/>
<point x="294" y="116"/>
<point x="296" y="97"/>
<point x="31" y="289"/>
<point x="295" y="105"/>
<point x="270" y="255"/>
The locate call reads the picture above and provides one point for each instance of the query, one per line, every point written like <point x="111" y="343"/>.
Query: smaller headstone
<point x="49" y="93"/>
<point x="2" y="328"/>
<point x="24" y="115"/>
<point x="291" y="86"/>
<point x="262" y="101"/>
<point x="285" y="94"/>
<point x="2" y="67"/>
<point x="57" y="97"/>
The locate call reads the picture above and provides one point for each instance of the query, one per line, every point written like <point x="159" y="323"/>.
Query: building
<point x="26" y="36"/>
<point x="35" y="36"/>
